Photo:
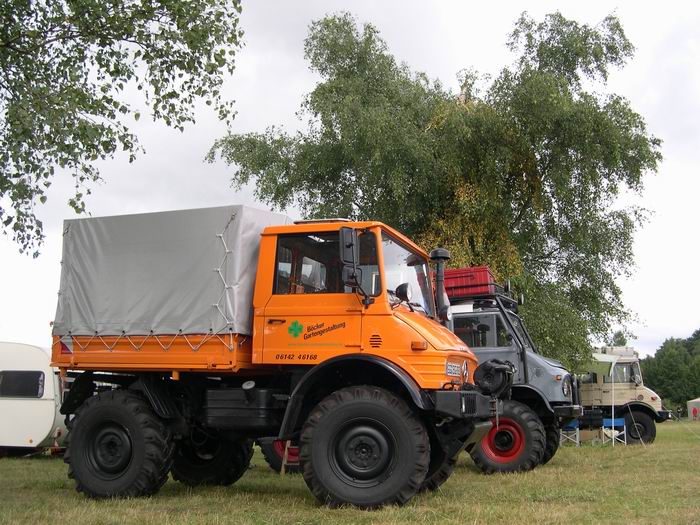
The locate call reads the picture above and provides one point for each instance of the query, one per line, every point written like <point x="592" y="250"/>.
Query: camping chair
<point x="614" y="425"/>
<point x="570" y="433"/>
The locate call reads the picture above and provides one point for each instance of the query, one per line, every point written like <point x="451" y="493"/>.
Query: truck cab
<point x="306" y="311"/>
<point x="544" y="395"/>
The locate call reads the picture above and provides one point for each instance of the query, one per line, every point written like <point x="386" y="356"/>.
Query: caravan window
<point x="21" y="383"/>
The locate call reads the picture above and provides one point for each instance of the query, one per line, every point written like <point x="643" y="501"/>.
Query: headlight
<point x="566" y="386"/>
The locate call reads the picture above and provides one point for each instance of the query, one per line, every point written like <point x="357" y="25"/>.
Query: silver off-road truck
<point x="544" y="395"/>
<point x="622" y="393"/>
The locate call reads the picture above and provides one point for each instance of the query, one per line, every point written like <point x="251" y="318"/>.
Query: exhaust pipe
<point x="440" y="256"/>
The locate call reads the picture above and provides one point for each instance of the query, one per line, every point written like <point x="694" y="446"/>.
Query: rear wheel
<point x="640" y="428"/>
<point x="515" y="443"/>
<point x="208" y="459"/>
<point x="118" y="447"/>
<point x="364" y="446"/>
<point x="273" y="452"/>
<point x="551" y="445"/>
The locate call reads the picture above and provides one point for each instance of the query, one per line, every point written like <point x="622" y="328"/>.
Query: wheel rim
<point x="363" y="452"/>
<point x="109" y="451"/>
<point x="292" y="451"/>
<point x="504" y="443"/>
<point x="637" y="431"/>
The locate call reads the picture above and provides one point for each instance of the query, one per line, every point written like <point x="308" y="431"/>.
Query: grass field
<point x="593" y="484"/>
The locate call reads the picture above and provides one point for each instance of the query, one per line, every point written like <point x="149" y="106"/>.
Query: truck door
<point x="311" y="316"/>
<point x="623" y="384"/>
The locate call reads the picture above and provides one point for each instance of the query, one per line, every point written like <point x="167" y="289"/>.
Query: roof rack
<point x="314" y="221"/>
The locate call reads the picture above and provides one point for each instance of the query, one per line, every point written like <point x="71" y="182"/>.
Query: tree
<point x="674" y="370"/>
<point x="521" y="174"/>
<point x="618" y="339"/>
<point x="64" y="71"/>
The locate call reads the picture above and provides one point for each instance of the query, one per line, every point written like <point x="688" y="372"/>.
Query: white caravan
<point x="30" y="397"/>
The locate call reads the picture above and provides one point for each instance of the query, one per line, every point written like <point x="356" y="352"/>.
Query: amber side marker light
<point x="419" y="345"/>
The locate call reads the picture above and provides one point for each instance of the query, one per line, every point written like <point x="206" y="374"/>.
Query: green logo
<point x="295" y="329"/>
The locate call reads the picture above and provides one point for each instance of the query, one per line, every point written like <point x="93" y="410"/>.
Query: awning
<point x="602" y="364"/>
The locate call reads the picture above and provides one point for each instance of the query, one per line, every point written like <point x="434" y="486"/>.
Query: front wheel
<point x="365" y="447"/>
<point x="515" y="443"/>
<point x="640" y="428"/>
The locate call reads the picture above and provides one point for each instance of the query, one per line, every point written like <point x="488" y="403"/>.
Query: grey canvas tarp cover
<point x="187" y="271"/>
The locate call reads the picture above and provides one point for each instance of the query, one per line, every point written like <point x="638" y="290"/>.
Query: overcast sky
<point x="440" y="38"/>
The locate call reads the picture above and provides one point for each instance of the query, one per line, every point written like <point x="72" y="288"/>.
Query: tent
<point x="694" y="409"/>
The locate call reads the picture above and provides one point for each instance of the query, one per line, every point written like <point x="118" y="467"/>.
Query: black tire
<point x="439" y="472"/>
<point x="273" y="454"/>
<point x="118" y="447"/>
<point x="640" y="428"/>
<point x="208" y="459"/>
<point x="515" y="445"/>
<point x="551" y="445"/>
<point x="364" y="446"/>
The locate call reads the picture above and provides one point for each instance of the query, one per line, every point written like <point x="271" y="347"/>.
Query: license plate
<point x="453" y="369"/>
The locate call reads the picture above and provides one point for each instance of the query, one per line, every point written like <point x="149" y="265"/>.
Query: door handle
<point x="276" y="321"/>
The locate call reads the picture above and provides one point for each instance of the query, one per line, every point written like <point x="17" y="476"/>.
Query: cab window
<point x="369" y="263"/>
<point x="482" y="331"/>
<point x="503" y="338"/>
<point x="21" y="383"/>
<point x="308" y="263"/>
<point x="622" y="373"/>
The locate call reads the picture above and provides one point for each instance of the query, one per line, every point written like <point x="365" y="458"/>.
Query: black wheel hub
<point x="637" y="431"/>
<point x="111" y="450"/>
<point x="503" y="440"/>
<point x="364" y="452"/>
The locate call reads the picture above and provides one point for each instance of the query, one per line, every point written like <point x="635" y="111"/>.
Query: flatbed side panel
<point x="226" y="352"/>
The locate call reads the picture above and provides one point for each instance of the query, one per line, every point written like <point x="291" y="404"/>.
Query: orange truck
<point x="191" y="333"/>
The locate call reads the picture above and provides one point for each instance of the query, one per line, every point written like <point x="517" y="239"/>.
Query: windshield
<point x="402" y="265"/>
<point x="520" y="330"/>
<point x="625" y="373"/>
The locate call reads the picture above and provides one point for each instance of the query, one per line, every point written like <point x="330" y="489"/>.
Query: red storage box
<point x="465" y="282"/>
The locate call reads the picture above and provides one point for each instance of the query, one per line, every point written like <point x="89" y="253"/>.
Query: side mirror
<point x="350" y="257"/>
<point x="349" y="247"/>
<point x="403" y="292"/>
